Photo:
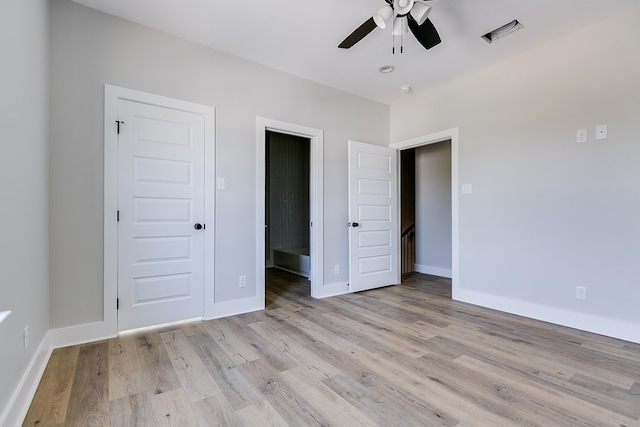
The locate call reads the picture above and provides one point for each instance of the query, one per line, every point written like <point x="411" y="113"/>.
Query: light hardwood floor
<point x="400" y="356"/>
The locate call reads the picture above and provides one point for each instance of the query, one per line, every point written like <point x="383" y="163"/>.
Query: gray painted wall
<point x="89" y="49"/>
<point x="24" y="113"/>
<point x="546" y="213"/>
<point x="433" y="206"/>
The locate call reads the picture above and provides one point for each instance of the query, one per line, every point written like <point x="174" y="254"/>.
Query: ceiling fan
<point x="405" y="15"/>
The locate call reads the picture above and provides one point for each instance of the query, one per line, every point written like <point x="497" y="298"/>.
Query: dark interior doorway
<point x="408" y="210"/>
<point x="287" y="204"/>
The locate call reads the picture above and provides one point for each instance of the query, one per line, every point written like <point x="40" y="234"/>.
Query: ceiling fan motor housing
<point x="402" y="7"/>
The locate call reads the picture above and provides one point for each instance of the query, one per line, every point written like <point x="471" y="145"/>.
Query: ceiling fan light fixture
<point x="401" y="16"/>
<point x="420" y="12"/>
<point x="400" y="26"/>
<point x="382" y="16"/>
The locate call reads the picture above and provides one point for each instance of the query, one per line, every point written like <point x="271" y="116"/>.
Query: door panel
<point x="160" y="198"/>
<point x="373" y="207"/>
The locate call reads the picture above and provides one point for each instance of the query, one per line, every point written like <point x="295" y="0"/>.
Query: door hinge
<point x="118" y="123"/>
<point x="118" y="216"/>
<point x="117" y="303"/>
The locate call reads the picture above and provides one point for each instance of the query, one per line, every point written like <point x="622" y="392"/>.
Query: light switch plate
<point x="582" y="135"/>
<point x="222" y="184"/>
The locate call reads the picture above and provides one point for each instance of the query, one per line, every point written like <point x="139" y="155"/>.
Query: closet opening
<point x="287" y="211"/>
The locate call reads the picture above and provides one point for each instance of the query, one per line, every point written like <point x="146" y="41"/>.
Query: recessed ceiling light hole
<point x="386" y="69"/>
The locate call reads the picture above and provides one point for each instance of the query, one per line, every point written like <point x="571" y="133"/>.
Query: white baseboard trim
<point x="434" y="271"/>
<point x="81" y="334"/>
<point x="586" y="322"/>
<point x="231" y="308"/>
<point x="331" y="290"/>
<point x="20" y="401"/>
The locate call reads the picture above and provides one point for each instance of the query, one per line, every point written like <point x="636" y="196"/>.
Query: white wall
<point x="23" y="182"/>
<point x="433" y="209"/>
<point x="90" y="49"/>
<point x="546" y="213"/>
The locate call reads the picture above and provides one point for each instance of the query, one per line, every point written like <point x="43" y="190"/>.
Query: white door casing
<point x="453" y="136"/>
<point x="162" y="167"/>
<point x="373" y="217"/>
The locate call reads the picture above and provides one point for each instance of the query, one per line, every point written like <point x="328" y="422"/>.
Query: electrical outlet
<point x="25" y="338"/>
<point x="601" y="132"/>
<point x="242" y="282"/>
<point x="336" y="269"/>
<point x="467" y="188"/>
<point x="581" y="293"/>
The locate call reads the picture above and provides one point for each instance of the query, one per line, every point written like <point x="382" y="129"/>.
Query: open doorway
<point x="408" y="211"/>
<point x="429" y="211"/>
<point x="287" y="211"/>
<point x="314" y="141"/>
<point x="425" y="199"/>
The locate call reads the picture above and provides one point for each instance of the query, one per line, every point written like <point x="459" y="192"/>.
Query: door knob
<point x="354" y="224"/>
<point x="198" y="226"/>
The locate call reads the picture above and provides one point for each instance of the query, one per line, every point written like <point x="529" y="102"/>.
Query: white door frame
<point x="111" y="96"/>
<point x="446" y="135"/>
<point x="316" y="209"/>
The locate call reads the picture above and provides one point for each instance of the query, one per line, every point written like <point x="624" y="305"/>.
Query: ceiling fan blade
<point x="426" y="33"/>
<point x="360" y="33"/>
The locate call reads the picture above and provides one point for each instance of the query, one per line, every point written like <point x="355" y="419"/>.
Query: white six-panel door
<point x="373" y="217"/>
<point x="160" y="202"/>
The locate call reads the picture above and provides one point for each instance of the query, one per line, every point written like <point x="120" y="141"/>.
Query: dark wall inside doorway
<point x="287" y="192"/>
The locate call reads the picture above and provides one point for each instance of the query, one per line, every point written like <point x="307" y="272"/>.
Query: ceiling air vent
<point x="503" y="31"/>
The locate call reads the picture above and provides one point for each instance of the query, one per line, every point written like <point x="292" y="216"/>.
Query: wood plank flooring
<point x="400" y="356"/>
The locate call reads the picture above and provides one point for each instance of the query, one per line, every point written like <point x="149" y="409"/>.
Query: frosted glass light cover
<point x="382" y="16"/>
<point x="420" y="12"/>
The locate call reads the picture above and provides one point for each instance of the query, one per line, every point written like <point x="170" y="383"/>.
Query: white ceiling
<point x="301" y="36"/>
